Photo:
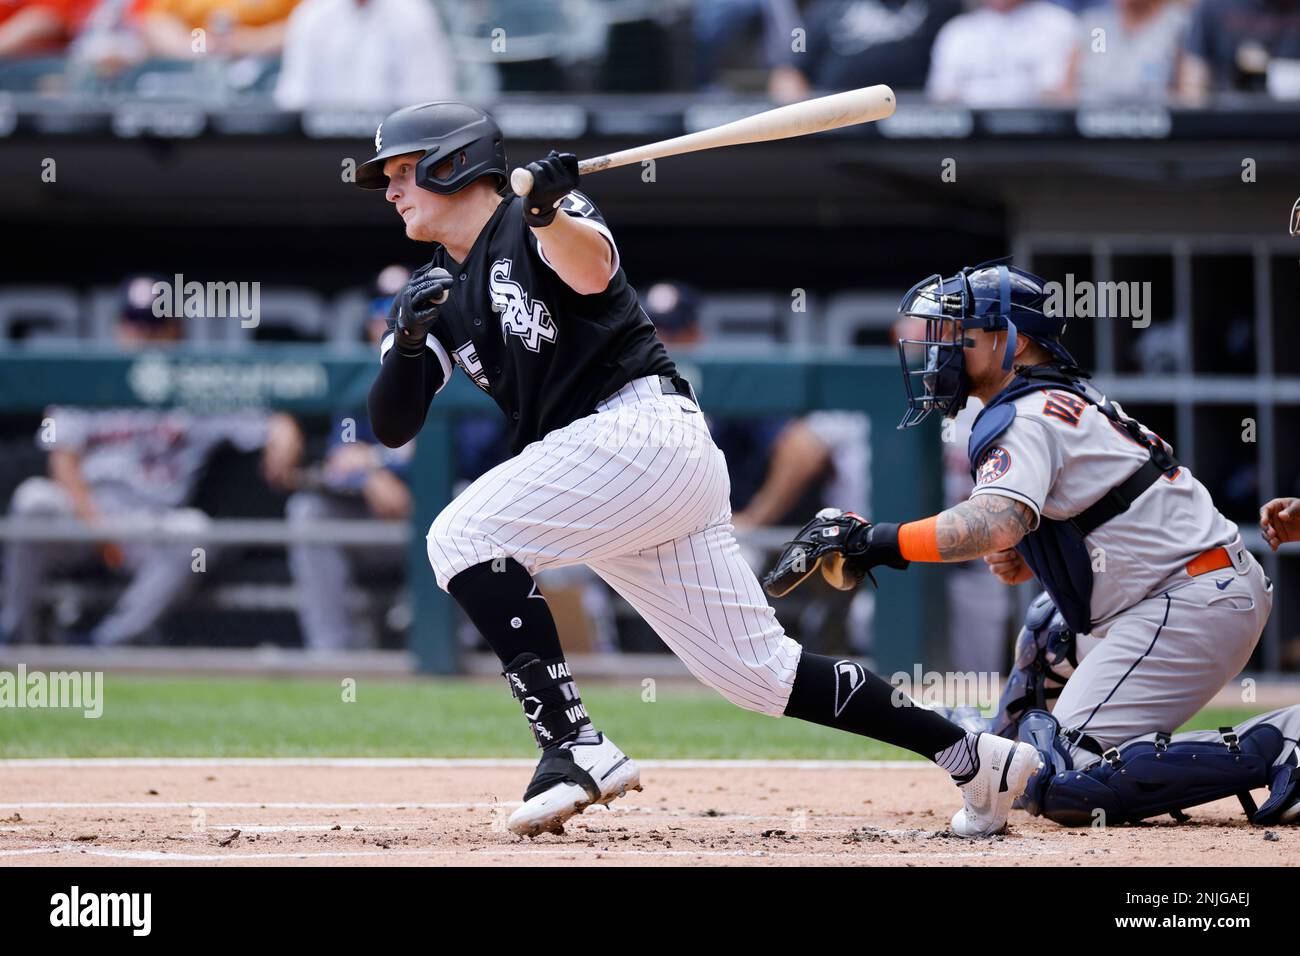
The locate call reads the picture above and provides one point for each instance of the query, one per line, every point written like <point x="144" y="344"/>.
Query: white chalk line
<point x="589" y="815"/>
<point x="441" y="763"/>
<point x="156" y="856"/>
<point x="833" y="822"/>
<point x="249" y="805"/>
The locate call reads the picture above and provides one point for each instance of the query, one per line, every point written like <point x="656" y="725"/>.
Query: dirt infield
<point x="429" y="813"/>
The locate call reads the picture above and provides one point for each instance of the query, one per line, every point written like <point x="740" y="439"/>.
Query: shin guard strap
<point x="545" y="690"/>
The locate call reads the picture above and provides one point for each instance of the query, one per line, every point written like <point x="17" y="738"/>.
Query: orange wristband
<point x="919" y="540"/>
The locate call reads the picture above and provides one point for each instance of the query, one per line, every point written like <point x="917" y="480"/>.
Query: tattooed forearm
<point x="982" y="525"/>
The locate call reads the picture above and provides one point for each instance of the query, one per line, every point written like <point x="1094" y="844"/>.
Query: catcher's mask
<point x="991" y="297"/>
<point x="1295" y="219"/>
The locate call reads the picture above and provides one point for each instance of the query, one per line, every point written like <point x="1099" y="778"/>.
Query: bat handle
<point x="439" y="297"/>
<point x="521" y="181"/>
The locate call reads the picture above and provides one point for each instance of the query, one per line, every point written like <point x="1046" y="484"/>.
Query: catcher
<point x="1152" y="602"/>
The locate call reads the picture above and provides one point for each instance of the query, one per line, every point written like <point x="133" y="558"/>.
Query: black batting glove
<point x="553" y="178"/>
<point x="417" y="309"/>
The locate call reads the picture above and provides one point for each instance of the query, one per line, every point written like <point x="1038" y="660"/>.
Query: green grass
<point x="193" y="717"/>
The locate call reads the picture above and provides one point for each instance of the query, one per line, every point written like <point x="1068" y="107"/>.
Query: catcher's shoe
<point x="1004" y="768"/>
<point x="569" y="778"/>
<point x="1283" y="803"/>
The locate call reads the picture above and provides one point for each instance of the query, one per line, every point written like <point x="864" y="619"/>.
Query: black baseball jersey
<point x="546" y="354"/>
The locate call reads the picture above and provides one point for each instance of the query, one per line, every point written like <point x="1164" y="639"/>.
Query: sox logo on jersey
<point x="531" y="321"/>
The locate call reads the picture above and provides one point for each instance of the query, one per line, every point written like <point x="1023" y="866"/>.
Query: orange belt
<point x="1215" y="559"/>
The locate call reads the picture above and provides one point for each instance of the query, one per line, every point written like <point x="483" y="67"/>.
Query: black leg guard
<point x="1283" y="794"/>
<point x="1041" y="730"/>
<point x="549" y="698"/>
<point x="1150" y="778"/>
<point x="502" y="600"/>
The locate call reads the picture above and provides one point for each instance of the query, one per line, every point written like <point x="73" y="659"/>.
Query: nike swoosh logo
<point x="1222" y="584"/>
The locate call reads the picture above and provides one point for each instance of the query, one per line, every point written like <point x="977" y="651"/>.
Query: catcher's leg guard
<point x="1045" y="659"/>
<point x="1283" y="803"/>
<point x="1147" y="778"/>
<point x="1040" y="729"/>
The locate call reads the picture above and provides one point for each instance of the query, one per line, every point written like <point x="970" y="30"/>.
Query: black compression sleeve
<point x="845" y="695"/>
<point x="400" y="397"/>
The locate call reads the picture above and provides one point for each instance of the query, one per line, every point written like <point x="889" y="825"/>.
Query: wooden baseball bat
<point x="865" y="105"/>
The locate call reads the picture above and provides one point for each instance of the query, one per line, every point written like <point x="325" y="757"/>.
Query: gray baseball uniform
<point x="1178" y="603"/>
<point x="136" y="462"/>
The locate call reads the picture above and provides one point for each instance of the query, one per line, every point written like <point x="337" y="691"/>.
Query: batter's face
<point x="422" y="211"/>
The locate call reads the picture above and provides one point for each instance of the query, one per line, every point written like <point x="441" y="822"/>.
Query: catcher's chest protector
<point x="1055" y="551"/>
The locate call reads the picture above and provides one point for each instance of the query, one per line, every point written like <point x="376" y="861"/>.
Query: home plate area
<point x="421" y="813"/>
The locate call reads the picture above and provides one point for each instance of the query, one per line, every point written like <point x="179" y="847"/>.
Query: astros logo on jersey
<point x="530" y="321"/>
<point x="995" y="463"/>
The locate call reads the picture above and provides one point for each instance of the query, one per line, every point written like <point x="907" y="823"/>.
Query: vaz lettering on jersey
<point x="530" y="320"/>
<point x="1067" y="408"/>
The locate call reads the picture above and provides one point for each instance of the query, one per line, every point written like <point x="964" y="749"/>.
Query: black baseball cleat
<point x="569" y="778"/>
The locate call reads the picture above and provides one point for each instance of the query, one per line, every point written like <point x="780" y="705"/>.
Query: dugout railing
<point x="905" y="470"/>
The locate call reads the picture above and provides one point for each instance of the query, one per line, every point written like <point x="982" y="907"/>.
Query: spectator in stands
<point x="1078" y="6"/>
<point x="371" y="53"/>
<point x="853" y="43"/>
<point x="230" y="28"/>
<point x="137" y="464"/>
<point x="1007" y="53"/>
<point x="1135" y="56"/>
<point x="39" y="26"/>
<point x="1244" y="46"/>
<point x="359" y="479"/>
<point x="110" y="40"/>
<point x="719" y="25"/>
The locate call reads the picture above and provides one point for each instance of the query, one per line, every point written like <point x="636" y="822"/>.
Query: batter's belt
<point x="656" y="384"/>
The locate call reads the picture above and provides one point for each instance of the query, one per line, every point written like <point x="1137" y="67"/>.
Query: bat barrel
<point x="865" y="105"/>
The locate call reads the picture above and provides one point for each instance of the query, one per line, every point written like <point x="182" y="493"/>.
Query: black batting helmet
<point x="441" y="131"/>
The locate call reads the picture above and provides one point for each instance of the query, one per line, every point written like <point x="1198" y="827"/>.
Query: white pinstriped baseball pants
<point x="640" y="494"/>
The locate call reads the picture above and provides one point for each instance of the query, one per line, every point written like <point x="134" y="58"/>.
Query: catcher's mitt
<point x="845" y="547"/>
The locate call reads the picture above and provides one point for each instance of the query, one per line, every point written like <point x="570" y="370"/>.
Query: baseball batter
<point x="1153" y="604"/>
<point x="614" y="468"/>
